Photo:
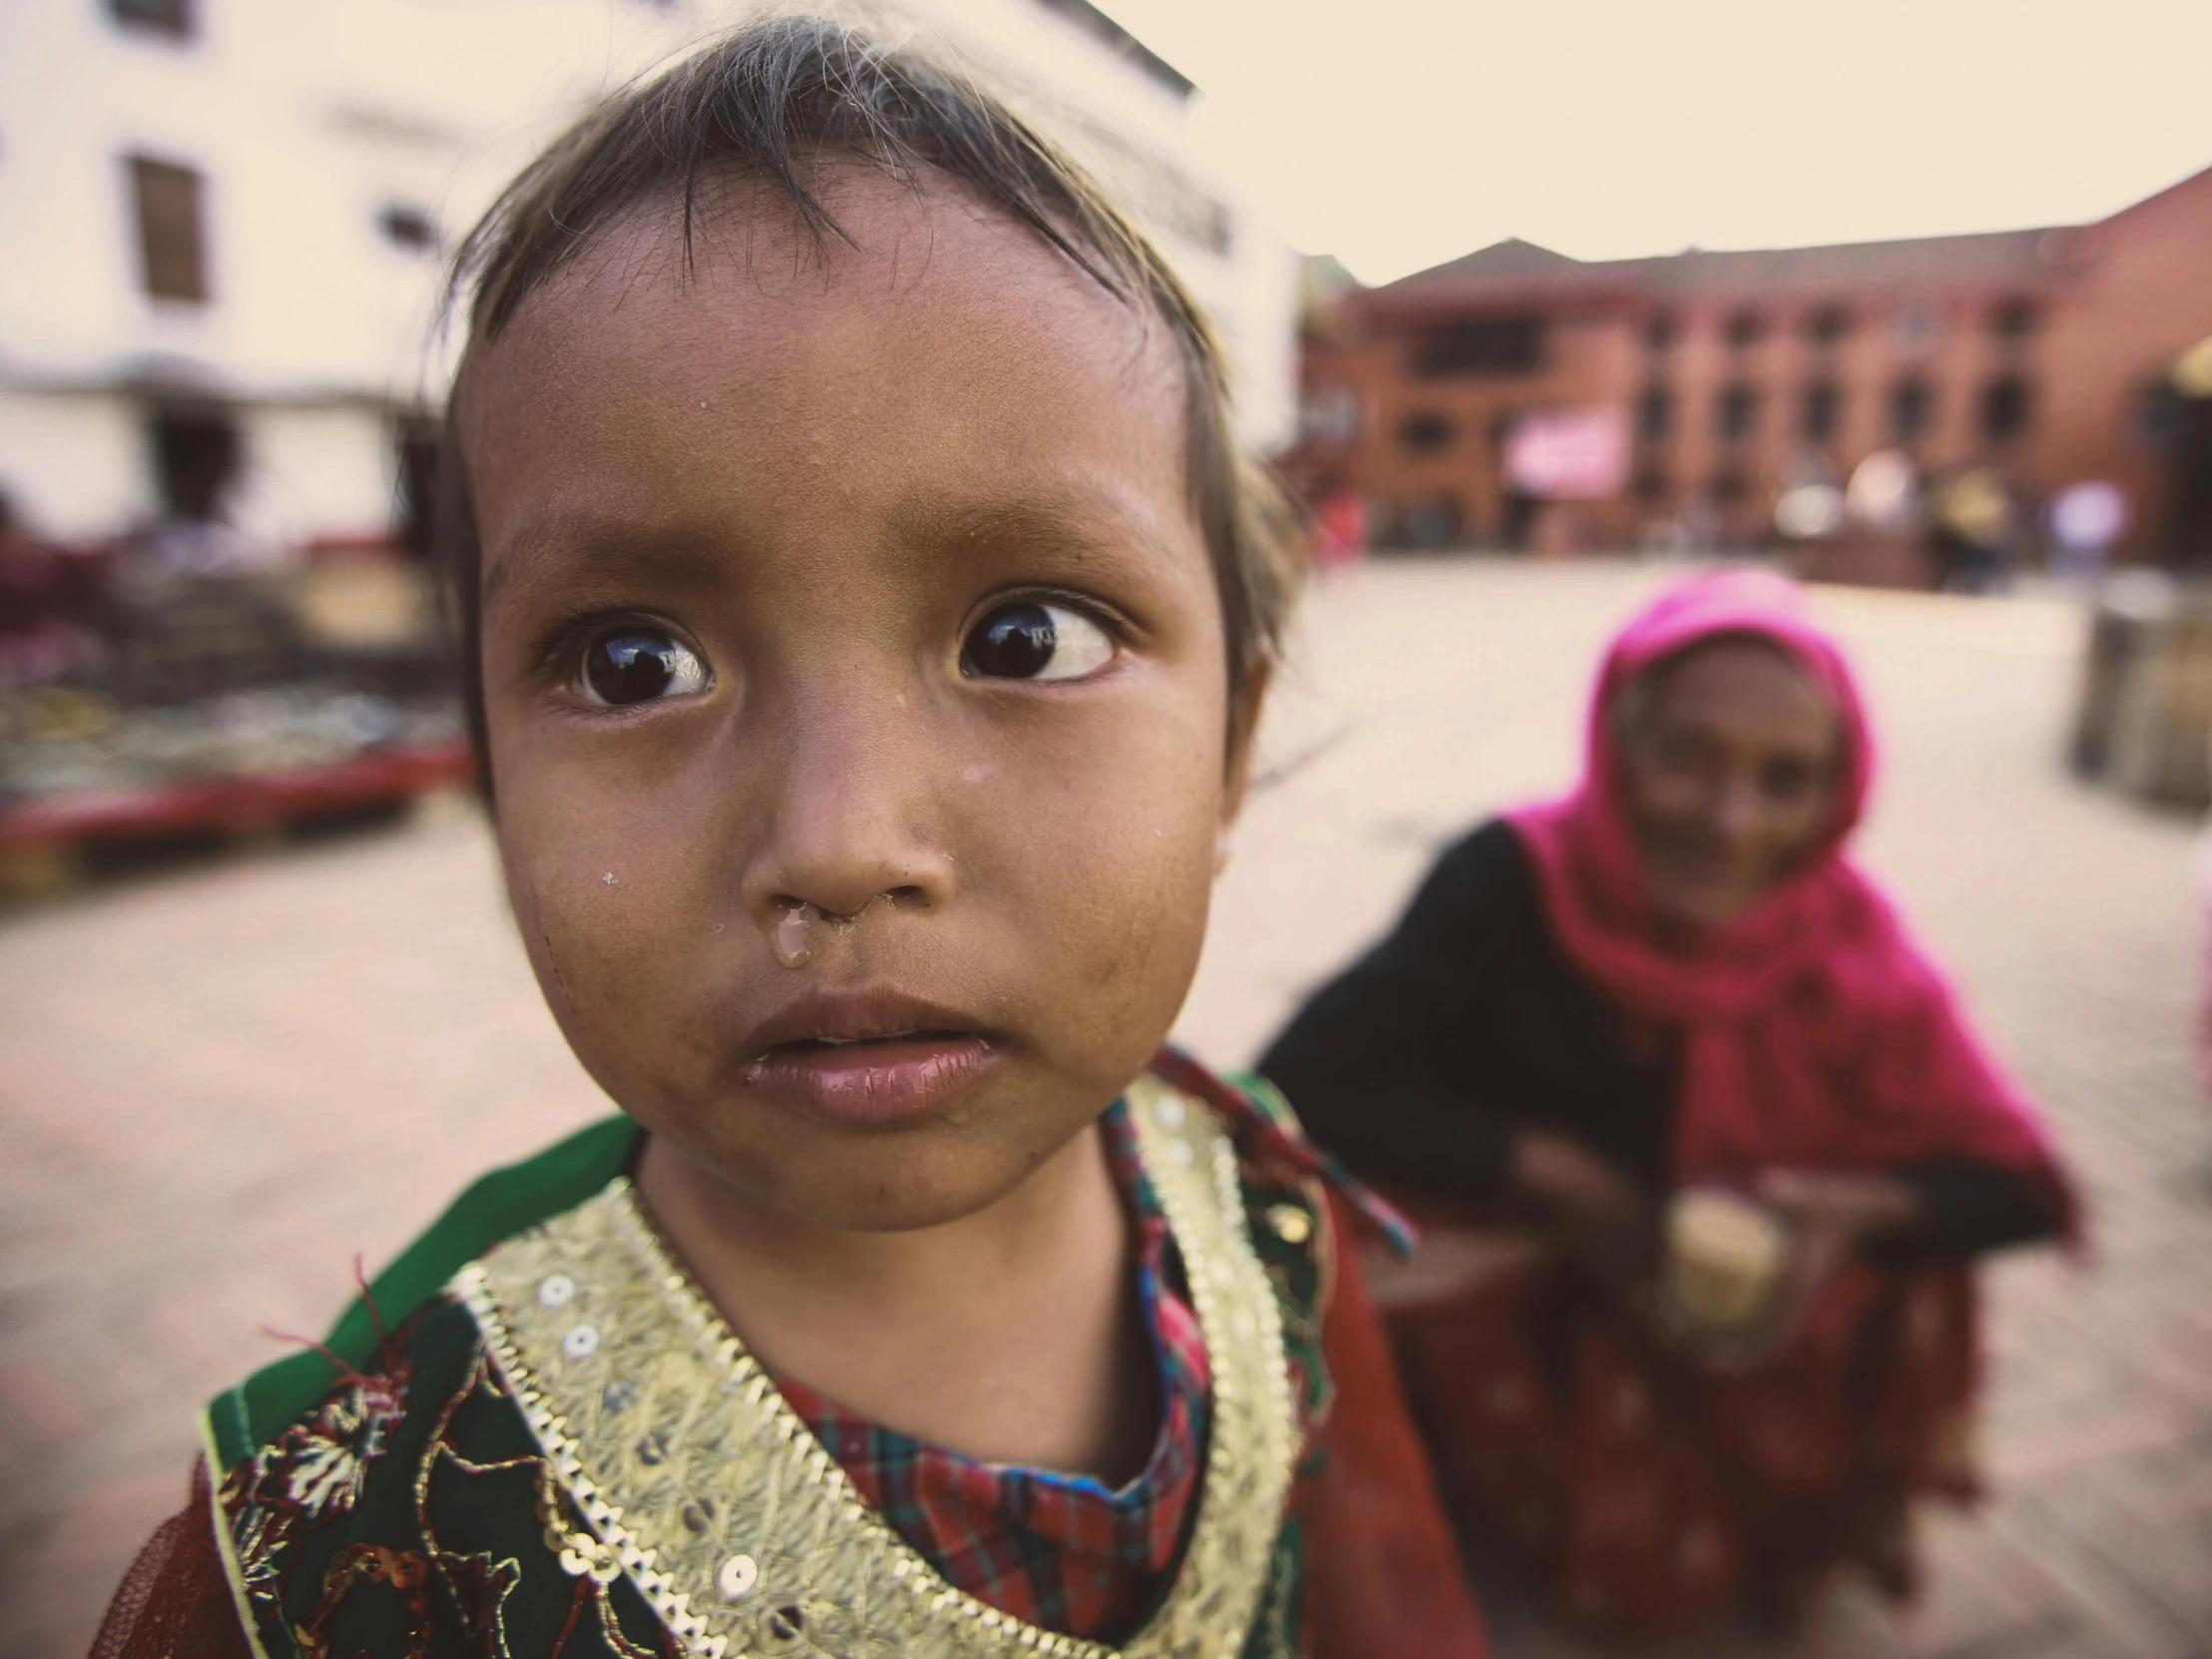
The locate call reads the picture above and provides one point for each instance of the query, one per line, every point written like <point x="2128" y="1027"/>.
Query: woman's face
<point x="1730" y="772"/>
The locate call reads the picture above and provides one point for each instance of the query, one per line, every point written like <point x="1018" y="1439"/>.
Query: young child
<point x="867" y="616"/>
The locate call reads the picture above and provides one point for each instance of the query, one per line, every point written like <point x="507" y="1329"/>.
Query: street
<point x="221" y="1084"/>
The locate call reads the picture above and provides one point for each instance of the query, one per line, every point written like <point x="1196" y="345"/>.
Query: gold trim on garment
<point x="691" y="1476"/>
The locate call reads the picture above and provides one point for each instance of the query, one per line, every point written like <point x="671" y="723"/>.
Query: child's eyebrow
<point x="1076" y="519"/>
<point x="555" y="549"/>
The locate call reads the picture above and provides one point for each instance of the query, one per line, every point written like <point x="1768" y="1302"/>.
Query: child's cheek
<point x="1115" y="861"/>
<point x="610" y="958"/>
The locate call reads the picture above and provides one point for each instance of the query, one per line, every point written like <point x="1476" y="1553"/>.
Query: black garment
<point x="1419" y="1063"/>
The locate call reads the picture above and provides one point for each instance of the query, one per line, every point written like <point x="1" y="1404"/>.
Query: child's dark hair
<point x="770" y="98"/>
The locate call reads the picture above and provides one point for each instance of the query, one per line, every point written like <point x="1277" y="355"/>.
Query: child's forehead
<point x="740" y="264"/>
<point x="943" y="352"/>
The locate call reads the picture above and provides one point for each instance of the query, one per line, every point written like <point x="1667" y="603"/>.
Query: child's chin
<point x="907" y="1206"/>
<point x="887" y="1183"/>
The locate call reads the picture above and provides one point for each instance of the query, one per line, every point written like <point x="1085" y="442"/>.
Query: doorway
<point x="196" y="460"/>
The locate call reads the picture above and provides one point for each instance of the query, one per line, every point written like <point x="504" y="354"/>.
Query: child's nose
<point x="851" y="821"/>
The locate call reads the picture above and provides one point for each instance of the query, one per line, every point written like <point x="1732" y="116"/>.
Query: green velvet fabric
<point x="244" y="1418"/>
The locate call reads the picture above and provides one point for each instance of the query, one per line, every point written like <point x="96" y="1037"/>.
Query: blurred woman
<point x="1703" y="1143"/>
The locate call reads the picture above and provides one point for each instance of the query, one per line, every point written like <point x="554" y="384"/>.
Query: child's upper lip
<point x="857" y="1013"/>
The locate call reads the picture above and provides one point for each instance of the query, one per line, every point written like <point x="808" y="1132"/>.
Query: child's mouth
<point x="804" y="1043"/>
<point x="861" y="1077"/>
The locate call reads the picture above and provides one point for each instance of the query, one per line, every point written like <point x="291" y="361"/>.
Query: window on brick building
<point x="1827" y="324"/>
<point x="1649" y="485"/>
<point x="1737" y="413"/>
<point x="1912" y="410"/>
<point x="1654" y="413"/>
<point x="2006" y="406"/>
<point x="1330" y="415"/>
<point x="2161" y="414"/>
<point x="1425" y="433"/>
<point x="1823" y="412"/>
<point x="1486" y="346"/>
<point x="1728" y="488"/>
<point x="1916" y="327"/>
<point x="1661" y="331"/>
<point x="173" y="18"/>
<point x="169" y="206"/>
<point x="1744" y="328"/>
<point x="2013" y="318"/>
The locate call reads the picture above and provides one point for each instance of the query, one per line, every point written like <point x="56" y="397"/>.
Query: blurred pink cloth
<point x="1816" y="1033"/>
<point x="1341" y="518"/>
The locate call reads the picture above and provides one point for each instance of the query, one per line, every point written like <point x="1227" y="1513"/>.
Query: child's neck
<point x="1013" y="1335"/>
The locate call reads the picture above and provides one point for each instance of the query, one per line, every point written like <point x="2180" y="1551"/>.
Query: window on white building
<point x="410" y="227"/>
<point x="168" y="203"/>
<point x="173" y="18"/>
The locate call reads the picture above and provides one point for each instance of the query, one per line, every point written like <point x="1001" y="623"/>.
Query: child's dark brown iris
<point x="633" y="666"/>
<point x="1014" y="642"/>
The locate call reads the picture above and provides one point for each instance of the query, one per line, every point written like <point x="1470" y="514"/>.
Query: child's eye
<point x="635" y="664"/>
<point x="1028" y="639"/>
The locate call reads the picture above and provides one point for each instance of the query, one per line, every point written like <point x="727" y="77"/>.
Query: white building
<point x="225" y="224"/>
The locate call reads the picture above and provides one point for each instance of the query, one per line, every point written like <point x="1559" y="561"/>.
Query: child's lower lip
<point x="873" y="1083"/>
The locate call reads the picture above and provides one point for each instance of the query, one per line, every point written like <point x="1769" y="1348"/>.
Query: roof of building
<point x="1522" y="267"/>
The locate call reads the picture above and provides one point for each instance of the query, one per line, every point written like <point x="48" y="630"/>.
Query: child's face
<point x="867" y="587"/>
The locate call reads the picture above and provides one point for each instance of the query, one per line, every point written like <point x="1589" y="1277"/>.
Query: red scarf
<point x="1815" y="1033"/>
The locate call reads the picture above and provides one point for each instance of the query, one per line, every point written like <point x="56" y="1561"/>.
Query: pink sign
<point x="1570" y="454"/>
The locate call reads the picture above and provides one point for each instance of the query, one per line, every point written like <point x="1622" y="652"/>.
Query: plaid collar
<point x="1064" y="1553"/>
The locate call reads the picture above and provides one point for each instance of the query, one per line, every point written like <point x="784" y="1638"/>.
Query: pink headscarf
<point x="1815" y="1033"/>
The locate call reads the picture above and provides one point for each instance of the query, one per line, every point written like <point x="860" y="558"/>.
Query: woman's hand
<point x="1832" y="1216"/>
<point x="1829" y="1217"/>
<point x="1599" y="1215"/>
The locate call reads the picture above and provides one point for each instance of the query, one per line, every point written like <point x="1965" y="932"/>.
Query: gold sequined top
<point x="572" y="1411"/>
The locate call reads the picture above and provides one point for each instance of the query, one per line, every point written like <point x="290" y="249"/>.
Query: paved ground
<point x="218" y="1086"/>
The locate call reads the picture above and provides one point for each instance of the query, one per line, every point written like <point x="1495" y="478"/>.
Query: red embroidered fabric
<point x="1649" y="1494"/>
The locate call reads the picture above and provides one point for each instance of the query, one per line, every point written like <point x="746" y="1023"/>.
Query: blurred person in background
<point x="1703" y="1143"/>
<point x="1339" y="527"/>
<point x="1972" y="529"/>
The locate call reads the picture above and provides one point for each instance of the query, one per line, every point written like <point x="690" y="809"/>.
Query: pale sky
<point x="1396" y="133"/>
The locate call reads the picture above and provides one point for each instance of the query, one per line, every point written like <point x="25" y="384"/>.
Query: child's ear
<point x="1244" y="724"/>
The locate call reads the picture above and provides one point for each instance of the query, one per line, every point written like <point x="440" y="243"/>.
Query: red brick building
<point x="2049" y="356"/>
